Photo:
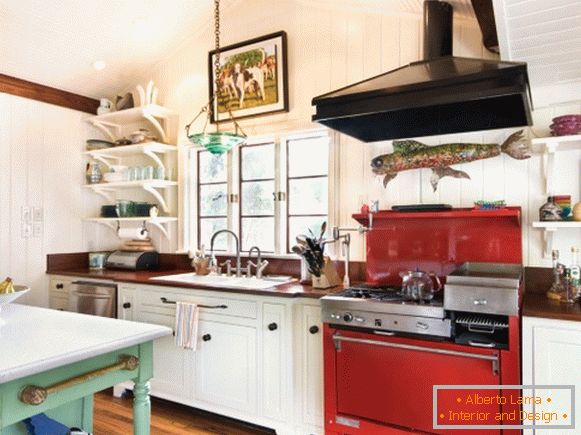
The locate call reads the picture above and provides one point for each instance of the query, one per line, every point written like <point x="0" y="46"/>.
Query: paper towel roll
<point x="132" y="233"/>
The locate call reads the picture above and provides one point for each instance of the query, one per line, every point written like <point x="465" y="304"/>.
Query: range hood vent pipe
<point x="438" y="29"/>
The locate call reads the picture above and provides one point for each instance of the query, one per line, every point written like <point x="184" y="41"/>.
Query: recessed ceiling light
<point x="99" y="65"/>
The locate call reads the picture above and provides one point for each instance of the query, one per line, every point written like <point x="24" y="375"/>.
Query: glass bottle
<point x="567" y="297"/>
<point x="557" y="287"/>
<point x="550" y="211"/>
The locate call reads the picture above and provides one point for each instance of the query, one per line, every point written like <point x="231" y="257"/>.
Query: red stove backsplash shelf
<point x="439" y="241"/>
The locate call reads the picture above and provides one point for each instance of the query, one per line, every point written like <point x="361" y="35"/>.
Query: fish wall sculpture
<point x="411" y="154"/>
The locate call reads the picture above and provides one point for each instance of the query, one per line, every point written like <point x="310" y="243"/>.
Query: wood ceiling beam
<point x="46" y="94"/>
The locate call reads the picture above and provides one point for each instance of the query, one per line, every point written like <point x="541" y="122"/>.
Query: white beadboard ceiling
<point x="544" y="33"/>
<point x="55" y="42"/>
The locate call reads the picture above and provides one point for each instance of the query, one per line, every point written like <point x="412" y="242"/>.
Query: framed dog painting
<point x="252" y="79"/>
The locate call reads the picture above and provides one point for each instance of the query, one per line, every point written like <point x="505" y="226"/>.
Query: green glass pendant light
<point x="217" y="142"/>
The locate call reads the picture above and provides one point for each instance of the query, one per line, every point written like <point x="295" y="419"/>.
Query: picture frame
<point x="253" y="78"/>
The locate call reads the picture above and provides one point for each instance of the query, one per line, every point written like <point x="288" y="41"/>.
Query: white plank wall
<point x="330" y="47"/>
<point x="41" y="167"/>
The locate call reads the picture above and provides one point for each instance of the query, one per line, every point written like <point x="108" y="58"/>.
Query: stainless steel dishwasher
<point x="97" y="298"/>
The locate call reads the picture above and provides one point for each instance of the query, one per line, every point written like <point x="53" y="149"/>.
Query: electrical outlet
<point x="26" y="231"/>
<point x="37" y="229"/>
<point x="37" y="214"/>
<point x="25" y="214"/>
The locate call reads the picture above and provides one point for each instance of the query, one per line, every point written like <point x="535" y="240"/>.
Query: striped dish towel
<point x="186" y="325"/>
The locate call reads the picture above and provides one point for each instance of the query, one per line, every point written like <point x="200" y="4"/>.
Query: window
<point x="257" y="187"/>
<point x="213" y="197"/>
<point x="267" y="192"/>
<point x="307" y="186"/>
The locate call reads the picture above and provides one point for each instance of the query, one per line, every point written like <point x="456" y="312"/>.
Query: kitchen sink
<point x="230" y="282"/>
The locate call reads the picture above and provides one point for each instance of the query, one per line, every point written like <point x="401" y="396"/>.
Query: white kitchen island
<point x="53" y="362"/>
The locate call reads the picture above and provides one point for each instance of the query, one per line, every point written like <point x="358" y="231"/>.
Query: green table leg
<point x="141" y="408"/>
<point x="141" y="402"/>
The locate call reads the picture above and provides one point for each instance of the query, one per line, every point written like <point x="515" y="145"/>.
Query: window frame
<point x="191" y="190"/>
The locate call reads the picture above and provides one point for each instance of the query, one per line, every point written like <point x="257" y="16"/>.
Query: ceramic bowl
<point x="6" y="298"/>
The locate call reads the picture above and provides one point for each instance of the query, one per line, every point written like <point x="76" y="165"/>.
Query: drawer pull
<point x="485" y="344"/>
<point x="60" y="286"/>
<point x="206" y="337"/>
<point x="314" y="329"/>
<point x="127" y="305"/>
<point x="35" y="395"/>
<point x="272" y="327"/>
<point x="208" y="307"/>
<point x="480" y="301"/>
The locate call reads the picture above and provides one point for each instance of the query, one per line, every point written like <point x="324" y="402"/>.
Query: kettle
<point x="419" y="286"/>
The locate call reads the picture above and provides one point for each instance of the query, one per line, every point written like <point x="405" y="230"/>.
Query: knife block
<point x="329" y="276"/>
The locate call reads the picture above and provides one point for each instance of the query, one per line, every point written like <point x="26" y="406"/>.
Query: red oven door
<point x="389" y="380"/>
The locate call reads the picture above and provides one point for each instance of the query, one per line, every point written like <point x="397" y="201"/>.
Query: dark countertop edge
<point x="289" y="290"/>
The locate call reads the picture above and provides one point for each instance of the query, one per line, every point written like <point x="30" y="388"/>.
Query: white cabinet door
<point x="58" y="293"/>
<point x="552" y="356"/>
<point x="275" y="367"/>
<point x="126" y="302"/>
<point x="312" y="367"/>
<point x="226" y="372"/>
<point x="173" y="367"/>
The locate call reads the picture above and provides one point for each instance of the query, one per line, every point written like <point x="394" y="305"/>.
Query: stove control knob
<point x="347" y="317"/>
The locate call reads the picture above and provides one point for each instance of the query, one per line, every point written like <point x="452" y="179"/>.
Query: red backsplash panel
<point x="439" y="241"/>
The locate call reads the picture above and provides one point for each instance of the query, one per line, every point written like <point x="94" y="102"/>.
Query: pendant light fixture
<point x="217" y="142"/>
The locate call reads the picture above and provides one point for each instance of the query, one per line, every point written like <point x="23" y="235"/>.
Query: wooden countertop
<point x="537" y="281"/>
<point x="291" y="290"/>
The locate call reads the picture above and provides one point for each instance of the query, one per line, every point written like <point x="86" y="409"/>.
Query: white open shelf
<point x="159" y="222"/>
<point x="549" y="228"/>
<point x="549" y="146"/>
<point x="111" y="123"/>
<point x="107" y="190"/>
<point x="112" y="155"/>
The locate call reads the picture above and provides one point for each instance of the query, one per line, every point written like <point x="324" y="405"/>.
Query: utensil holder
<point x="329" y="276"/>
<point x="201" y="266"/>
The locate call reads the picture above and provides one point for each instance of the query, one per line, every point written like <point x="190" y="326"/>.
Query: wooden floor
<point x="113" y="416"/>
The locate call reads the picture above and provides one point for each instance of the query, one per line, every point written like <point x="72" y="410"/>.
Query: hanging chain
<point x="216" y="60"/>
<point x="209" y="108"/>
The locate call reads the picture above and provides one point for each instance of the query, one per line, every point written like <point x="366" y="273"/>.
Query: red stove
<point x="383" y="354"/>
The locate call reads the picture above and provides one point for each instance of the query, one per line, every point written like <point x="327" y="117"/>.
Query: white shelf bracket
<point x="105" y="193"/>
<point x="153" y="156"/>
<point x="104" y="159"/>
<point x="106" y="129"/>
<point x="550" y="149"/>
<point x="111" y="225"/>
<point x="157" y="195"/>
<point x="156" y="124"/>
<point x="160" y="227"/>
<point x="548" y="241"/>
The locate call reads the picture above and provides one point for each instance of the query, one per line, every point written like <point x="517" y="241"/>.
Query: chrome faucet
<point x="213" y="261"/>
<point x="260" y="265"/>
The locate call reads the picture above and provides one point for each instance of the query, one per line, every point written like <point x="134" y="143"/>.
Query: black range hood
<point x="440" y="95"/>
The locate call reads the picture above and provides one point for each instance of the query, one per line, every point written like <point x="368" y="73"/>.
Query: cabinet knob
<point x="272" y="327"/>
<point x="206" y="337"/>
<point x="60" y="286"/>
<point x="314" y="329"/>
<point x="127" y="305"/>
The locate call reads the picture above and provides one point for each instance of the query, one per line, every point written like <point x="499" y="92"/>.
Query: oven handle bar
<point x="492" y="358"/>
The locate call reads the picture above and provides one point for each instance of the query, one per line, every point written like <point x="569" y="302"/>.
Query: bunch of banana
<point x="7" y="286"/>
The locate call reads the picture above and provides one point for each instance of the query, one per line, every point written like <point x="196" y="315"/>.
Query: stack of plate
<point x="566" y="125"/>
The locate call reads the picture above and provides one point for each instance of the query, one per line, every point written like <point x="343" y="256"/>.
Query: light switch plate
<point x="26" y="230"/>
<point x="37" y="229"/>
<point x="25" y="214"/>
<point x="37" y="214"/>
